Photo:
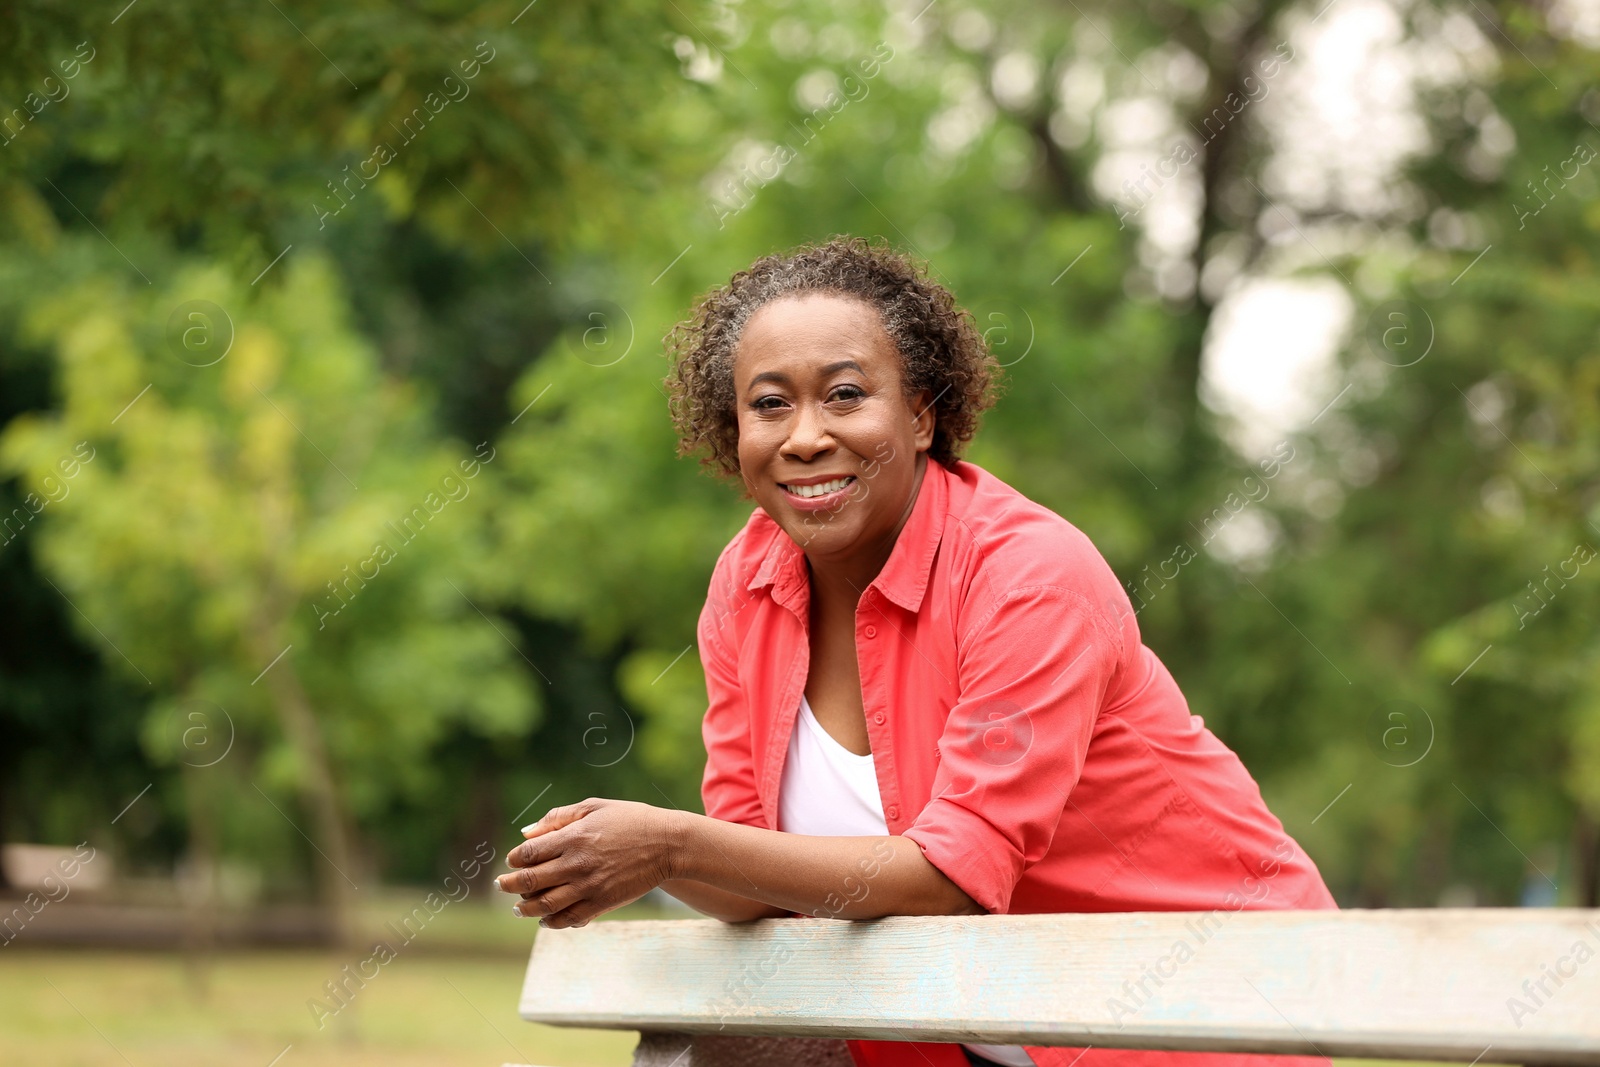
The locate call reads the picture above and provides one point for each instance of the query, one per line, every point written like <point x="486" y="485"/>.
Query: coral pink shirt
<point x="1023" y="735"/>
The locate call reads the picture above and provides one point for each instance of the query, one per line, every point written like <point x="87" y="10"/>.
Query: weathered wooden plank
<point x="1503" y="985"/>
<point x="715" y="1050"/>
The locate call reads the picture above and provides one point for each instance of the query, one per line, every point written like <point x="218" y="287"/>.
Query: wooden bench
<point x="1470" y="985"/>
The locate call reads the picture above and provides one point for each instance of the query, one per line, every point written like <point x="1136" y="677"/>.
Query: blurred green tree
<point x="441" y="158"/>
<point x="1464" y="461"/>
<point x="269" y="533"/>
<point x="1096" y="183"/>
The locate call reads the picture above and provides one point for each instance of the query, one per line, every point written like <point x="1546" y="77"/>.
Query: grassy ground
<point x="448" y="997"/>
<point x="68" y="1008"/>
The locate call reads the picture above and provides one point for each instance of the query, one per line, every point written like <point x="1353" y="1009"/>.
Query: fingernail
<point x="529" y="827"/>
<point x="516" y="910"/>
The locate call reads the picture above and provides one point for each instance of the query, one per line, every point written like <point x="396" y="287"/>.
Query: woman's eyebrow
<point x="783" y="379"/>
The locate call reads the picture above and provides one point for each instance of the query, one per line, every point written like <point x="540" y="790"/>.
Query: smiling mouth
<point x="806" y="492"/>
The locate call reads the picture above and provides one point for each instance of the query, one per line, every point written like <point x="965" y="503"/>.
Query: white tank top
<point x="829" y="791"/>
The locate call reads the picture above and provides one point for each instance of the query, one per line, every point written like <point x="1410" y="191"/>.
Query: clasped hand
<point x="585" y="859"/>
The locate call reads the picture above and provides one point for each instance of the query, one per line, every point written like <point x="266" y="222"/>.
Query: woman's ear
<point x="924" y="419"/>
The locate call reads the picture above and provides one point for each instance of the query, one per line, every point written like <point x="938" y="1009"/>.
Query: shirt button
<point x="871" y="631"/>
<point x="892" y="811"/>
<point x="878" y="718"/>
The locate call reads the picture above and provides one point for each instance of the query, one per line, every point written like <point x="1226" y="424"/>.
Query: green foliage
<point x="237" y="513"/>
<point x="500" y="289"/>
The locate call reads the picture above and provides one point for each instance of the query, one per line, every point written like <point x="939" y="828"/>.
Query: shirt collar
<point x="904" y="578"/>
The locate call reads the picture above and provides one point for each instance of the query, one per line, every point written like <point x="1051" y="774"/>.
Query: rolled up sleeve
<point x="728" y="789"/>
<point x="1034" y="670"/>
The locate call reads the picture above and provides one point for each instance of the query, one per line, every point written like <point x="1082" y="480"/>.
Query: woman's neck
<point x="837" y="584"/>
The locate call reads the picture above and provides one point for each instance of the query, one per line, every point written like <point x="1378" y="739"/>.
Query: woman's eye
<point x="841" y="393"/>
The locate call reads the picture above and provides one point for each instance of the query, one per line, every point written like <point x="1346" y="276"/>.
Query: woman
<point x="927" y="694"/>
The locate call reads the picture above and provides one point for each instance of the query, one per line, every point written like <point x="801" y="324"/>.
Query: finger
<point x="525" y="881"/>
<point x="571" y="917"/>
<point x="533" y="880"/>
<point x="588" y="905"/>
<point x="556" y="818"/>
<point x="549" y="901"/>
<point x="537" y="850"/>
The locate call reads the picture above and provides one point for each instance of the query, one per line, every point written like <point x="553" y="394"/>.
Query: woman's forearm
<point x="719" y="903"/>
<point x="833" y="877"/>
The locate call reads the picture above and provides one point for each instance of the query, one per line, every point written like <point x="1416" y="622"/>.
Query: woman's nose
<point x="809" y="433"/>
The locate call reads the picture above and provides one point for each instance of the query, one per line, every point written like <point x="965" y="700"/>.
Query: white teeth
<point x="820" y="489"/>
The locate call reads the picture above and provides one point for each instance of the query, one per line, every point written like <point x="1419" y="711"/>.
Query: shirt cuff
<point x="970" y="851"/>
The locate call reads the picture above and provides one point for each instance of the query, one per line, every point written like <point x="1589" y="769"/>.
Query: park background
<point x="343" y="530"/>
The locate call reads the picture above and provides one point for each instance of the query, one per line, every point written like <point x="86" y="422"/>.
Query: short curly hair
<point x="942" y="350"/>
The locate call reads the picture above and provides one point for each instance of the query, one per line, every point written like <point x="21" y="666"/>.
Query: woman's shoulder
<point x="1015" y="541"/>
<point x="1004" y="547"/>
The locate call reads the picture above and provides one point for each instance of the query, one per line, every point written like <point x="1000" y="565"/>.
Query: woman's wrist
<point x="682" y="839"/>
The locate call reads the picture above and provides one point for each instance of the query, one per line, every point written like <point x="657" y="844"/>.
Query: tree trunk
<point x="1586" y="859"/>
<point x="485" y="822"/>
<point x="200" y="897"/>
<point x="320" y="794"/>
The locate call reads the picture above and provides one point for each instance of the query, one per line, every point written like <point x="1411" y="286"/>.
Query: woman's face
<point x="828" y="441"/>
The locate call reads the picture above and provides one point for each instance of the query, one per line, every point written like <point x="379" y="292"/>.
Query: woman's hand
<point x="585" y="859"/>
